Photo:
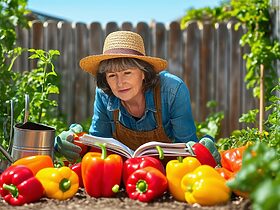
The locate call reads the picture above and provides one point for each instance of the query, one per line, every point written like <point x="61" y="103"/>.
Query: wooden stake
<point x="261" y="116"/>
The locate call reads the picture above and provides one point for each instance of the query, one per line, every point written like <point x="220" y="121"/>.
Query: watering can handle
<point x="26" y="108"/>
<point x="4" y="152"/>
<point x="12" y="126"/>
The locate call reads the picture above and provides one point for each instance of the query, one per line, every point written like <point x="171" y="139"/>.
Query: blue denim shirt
<point x="177" y="116"/>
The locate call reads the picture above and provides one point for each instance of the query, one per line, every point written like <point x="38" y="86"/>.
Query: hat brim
<point x="91" y="63"/>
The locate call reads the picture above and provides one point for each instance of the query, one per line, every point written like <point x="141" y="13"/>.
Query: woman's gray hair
<point x="120" y="64"/>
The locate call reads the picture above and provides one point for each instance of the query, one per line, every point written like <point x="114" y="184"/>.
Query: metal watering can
<point x="29" y="138"/>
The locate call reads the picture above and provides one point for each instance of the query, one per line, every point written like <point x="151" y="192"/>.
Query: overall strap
<point x="157" y="99"/>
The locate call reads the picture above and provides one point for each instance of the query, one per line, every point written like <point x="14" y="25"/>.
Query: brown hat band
<point x="122" y="51"/>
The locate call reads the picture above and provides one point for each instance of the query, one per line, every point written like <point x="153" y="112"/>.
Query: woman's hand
<point x="67" y="148"/>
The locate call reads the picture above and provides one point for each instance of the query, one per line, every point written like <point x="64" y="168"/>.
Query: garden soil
<point x="84" y="202"/>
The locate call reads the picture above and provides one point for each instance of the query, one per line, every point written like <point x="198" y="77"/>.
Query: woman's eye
<point x="127" y="72"/>
<point x="111" y="75"/>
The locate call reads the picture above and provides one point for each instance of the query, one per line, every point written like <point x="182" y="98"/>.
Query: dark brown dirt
<point x="83" y="201"/>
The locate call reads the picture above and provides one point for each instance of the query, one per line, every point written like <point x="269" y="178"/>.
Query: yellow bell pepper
<point x="175" y="170"/>
<point x="59" y="183"/>
<point x="205" y="186"/>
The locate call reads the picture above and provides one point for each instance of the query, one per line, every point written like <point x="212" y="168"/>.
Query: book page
<point x="111" y="144"/>
<point x="169" y="149"/>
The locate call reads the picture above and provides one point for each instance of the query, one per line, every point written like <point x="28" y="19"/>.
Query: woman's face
<point x="126" y="84"/>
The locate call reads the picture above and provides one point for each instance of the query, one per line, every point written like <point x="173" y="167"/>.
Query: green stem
<point x="103" y="150"/>
<point x="64" y="185"/>
<point x="160" y="152"/>
<point x="141" y="186"/>
<point x="115" y="188"/>
<point x="180" y="159"/>
<point x="43" y="89"/>
<point x="12" y="189"/>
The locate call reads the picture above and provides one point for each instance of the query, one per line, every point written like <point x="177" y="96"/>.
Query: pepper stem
<point x="64" y="185"/>
<point x="141" y="186"/>
<point x="12" y="189"/>
<point x="115" y="188"/>
<point x="180" y="159"/>
<point x="103" y="150"/>
<point x="160" y="152"/>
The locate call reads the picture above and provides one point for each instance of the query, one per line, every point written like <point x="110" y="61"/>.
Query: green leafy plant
<point x="212" y="123"/>
<point x="259" y="176"/>
<point x="12" y="14"/>
<point x="41" y="84"/>
<point x="270" y="135"/>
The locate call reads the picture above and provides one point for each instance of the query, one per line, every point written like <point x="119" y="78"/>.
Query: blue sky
<point x="88" y="11"/>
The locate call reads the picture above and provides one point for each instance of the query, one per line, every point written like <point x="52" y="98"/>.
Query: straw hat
<point x="121" y="44"/>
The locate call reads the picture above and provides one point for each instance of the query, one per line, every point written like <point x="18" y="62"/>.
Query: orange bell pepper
<point x="175" y="170"/>
<point x="232" y="159"/>
<point x="101" y="174"/>
<point x="35" y="163"/>
<point x="205" y="186"/>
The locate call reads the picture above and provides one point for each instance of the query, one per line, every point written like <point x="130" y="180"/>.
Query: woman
<point x="136" y="101"/>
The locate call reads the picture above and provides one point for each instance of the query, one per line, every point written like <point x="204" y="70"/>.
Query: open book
<point x="147" y="149"/>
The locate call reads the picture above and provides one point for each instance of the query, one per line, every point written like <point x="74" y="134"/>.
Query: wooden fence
<point x="208" y="58"/>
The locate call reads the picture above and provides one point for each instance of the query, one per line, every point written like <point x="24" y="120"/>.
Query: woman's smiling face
<point x="127" y="84"/>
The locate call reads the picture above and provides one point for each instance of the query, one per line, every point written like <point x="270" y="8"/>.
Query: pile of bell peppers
<point x="188" y="179"/>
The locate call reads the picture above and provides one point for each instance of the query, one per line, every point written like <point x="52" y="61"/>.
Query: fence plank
<point x="191" y="65"/>
<point x="81" y="92"/>
<point x="206" y="73"/>
<point x="111" y="27"/>
<point x="144" y="31"/>
<point x="66" y="70"/>
<point x="235" y="77"/>
<point x="36" y="39"/>
<point x="127" y="26"/>
<point x="159" y="41"/>
<point x="222" y="77"/>
<point x="50" y="35"/>
<point x="96" y="39"/>
<point x="21" y="63"/>
<point x="175" y="49"/>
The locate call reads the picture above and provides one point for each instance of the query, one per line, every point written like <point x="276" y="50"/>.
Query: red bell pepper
<point x="146" y="184"/>
<point x="132" y="164"/>
<point x="77" y="168"/>
<point x="101" y="174"/>
<point x="18" y="186"/>
<point x="202" y="154"/>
